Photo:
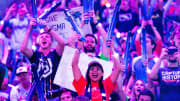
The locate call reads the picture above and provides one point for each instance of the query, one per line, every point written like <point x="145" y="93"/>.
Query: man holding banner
<point x="45" y="57"/>
<point x="91" y="43"/>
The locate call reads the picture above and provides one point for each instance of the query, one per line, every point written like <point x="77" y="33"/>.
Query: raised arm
<point x="155" y="69"/>
<point x="158" y="38"/>
<point x="103" y="33"/>
<point x="138" y="36"/>
<point x="75" y="68"/>
<point x="157" y="35"/>
<point x="24" y="44"/>
<point x="8" y="15"/>
<point x="58" y="38"/>
<point x="10" y="10"/>
<point x="160" y="4"/>
<point x="116" y="69"/>
<point x="167" y="6"/>
<point x="120" y="90"/>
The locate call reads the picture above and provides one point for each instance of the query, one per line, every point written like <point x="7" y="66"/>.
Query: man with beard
<point x="90" y="44"/>
<point x="169" y="76"/>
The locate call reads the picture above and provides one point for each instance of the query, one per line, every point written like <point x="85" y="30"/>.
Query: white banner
<point x="64" y="75"/>
<point x="58" y="22"/>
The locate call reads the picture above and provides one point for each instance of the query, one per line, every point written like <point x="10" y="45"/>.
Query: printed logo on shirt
<point x="170" y="76"/>
<point x="125" y="17"/>
<point x="45" y="65"/>
<point x="96" y="93"/>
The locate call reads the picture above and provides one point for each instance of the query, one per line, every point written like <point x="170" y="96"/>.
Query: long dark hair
<point x="92" y="64"/>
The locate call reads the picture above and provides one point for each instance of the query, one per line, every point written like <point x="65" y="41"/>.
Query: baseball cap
<point x="95" y="63"/>
<point x="21" y="69"/>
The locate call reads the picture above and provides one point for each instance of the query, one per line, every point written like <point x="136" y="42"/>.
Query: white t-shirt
<point x="19" y="30"/>
<point x="18" y="93"/>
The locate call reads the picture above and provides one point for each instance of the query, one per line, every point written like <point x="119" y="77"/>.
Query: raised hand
<point x="144" y="23"/>
<point x="33" y="22"/>
<point x="164" y="54"/>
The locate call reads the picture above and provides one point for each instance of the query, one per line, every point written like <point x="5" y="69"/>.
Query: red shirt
<point x="157" y="50"/>
<point x="80" y="87"/>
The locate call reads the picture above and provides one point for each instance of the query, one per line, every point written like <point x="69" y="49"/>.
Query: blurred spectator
<point x="126" y="18"/>
<point x="19" y="24"/>
<point x="146" y="95"/>
<point x="65" y="95"/>
<point x="157" y="18"/>
<point x="134" y="5"/>
<point x="72" y="3"/>
<point x="81" y="98"/>
<point x="157" y="38"/>
<point x="5" y="88"/>
<point x="105" y="13"/>
<point x="141" y="67"/>
<point x="174" y="8"/>
<point x="138" y="86"/>
<point x="3" y="76"/>
<point x="20" y="91"/>
<point x="168" y="76"/>
<point x="19" y="27"/>
<point x="5" y="37"/>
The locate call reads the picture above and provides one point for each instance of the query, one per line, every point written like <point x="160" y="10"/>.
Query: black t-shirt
<point x="169" y="79"/>
<point x="50" y="63"/>
<point x="126" y="20"/>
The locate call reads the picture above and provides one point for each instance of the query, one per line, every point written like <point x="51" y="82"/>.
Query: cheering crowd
<point x="144" y="47"/>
